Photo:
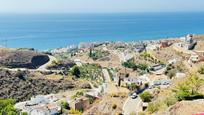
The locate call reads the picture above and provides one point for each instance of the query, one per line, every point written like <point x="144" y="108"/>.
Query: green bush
<point x="78" y="94"/>
<point x="90" y="72"/>
<point x="7" y="107"/>
<point x="201" y="70"/>
<point x="64" y="105"/>
<point x="24" y="113"/>
<point x="153" y="107"/>
<point x="146" y="96"/>
<point x="75" y="71"/>
<point x="133" y="86"/>
<point x="170" y="101"/>
<point x="130" y="64"/>
<point x="97" y="54"/>
<point x="189" y="90"/>
<point x="75" y="112"/>
<point x="142" y="66"/>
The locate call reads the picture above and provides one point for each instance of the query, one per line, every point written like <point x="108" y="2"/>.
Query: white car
<point x="134" y="95"/>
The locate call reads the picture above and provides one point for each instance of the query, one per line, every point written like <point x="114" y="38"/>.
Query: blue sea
<point x="47" y="31"/>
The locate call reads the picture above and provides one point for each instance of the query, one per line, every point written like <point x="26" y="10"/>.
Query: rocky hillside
<point x="22" y="86"/>
<point x="187" y="108"/>
<point x="22" y="58"/>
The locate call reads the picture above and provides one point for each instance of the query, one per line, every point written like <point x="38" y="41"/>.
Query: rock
<point x="85" y="86"/>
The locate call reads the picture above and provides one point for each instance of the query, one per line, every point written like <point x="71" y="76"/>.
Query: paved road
<point x="106" y="76"/>
<point x="41" y="68"/>
<point x="132" y="106"/>
<point x="44" y="67"/>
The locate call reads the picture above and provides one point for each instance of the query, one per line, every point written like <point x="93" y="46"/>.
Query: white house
<point x="187" y="42"/>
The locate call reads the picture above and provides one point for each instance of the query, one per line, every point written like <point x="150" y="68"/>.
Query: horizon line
<point x="101" y="12"/>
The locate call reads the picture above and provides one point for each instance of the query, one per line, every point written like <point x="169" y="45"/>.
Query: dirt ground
<point x="106" y="106"/>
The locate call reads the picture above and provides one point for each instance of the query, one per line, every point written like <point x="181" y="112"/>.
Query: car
<point x="134" y="96"/>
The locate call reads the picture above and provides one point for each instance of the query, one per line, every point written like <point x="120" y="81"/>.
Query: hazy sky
<point x="94" y="6"/>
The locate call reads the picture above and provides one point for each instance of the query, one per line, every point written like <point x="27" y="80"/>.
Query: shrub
<point x="130" y="64"/>
<point x="170" y="101"/>
<point x="64" y="104"/>
<point x="114" y="106"/>
<point x="24" y="113"/>
<point x="153" y="107"/>
<point x="76" y="112"/>
<point x="146" y="96"/>
<point x="171" y="73"/>
<point x="78" y="94"/>
<point x="75" y="71"/>
<point x="7" y="107"/>
<point x="189" y="89"/>
<point x="133" y="86"/>
<point x="142" y="66"/>
<point x="201" y="70"/>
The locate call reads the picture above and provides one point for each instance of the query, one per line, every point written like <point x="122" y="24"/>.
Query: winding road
<point x="132" y="106"/>
<point x="42" y="68"/>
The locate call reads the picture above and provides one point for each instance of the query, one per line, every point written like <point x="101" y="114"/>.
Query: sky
<point x="99" y="6"/>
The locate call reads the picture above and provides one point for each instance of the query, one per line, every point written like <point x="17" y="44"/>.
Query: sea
<point x="48" y="31"/>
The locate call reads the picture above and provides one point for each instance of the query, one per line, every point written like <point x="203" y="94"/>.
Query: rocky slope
<point x="22" y="58"/>
<point x="187" y="108"/>
<point x="22" y="86"/>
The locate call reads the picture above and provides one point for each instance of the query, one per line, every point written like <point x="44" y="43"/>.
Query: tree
<point x="76" y="72"/>
<point x="146" y="96"/>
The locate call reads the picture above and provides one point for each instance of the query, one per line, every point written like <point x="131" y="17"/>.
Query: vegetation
<point x="24" y="85"/>
<point x="146" y="96"/>
<point x="75" y="71"/>
<point x="201" y="70"/>
<point x="146" y="55"/>
<point x="110" y="71"/>
<point x="132" y="86"/>
<point x="171" y="70"/>
<point x="186" y="90"/>
<point x="131" y="64"/>
<point x="75" y="112"/>
<point x="78" y="94"/>
<point x="153" y="107"/>
<point x="24" y="113"/>
<point x="97" y="54"/>
<point x="64" y="105"/>
<point x="7" y="107"/>
<point x="170" y="101"/>
<point x="114" y="106"/>
<point x="91" y="72"/>
<point x="189" y="90"/>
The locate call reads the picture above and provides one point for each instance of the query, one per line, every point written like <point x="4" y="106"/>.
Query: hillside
<point x="22" y="86"/>
<point x="22" y="58"/>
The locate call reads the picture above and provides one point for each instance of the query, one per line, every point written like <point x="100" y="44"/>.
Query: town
<point x="160" y="77"/>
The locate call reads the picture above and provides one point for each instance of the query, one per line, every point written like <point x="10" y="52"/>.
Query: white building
<point x="187" y="42"/>
<point x="40" y="105"/>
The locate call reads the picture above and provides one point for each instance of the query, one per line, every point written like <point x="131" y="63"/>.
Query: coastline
<point x="71" y="46"/>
